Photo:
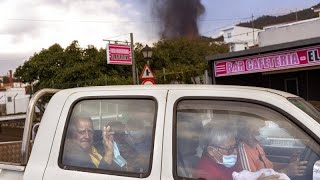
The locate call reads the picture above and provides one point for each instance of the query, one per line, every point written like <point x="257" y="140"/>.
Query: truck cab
<point x="158" y="132"/>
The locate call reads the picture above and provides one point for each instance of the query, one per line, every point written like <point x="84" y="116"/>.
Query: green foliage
<point x="73" y="66"/>
<point x="182" y="58"/>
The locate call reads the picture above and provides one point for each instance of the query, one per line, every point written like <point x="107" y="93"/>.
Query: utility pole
<point x="137" y="76"/>
<point x="164" y="74"/>
<point x="133" y="60"/>
<point x="14" y="103"/>
<point x="296" y="14"/>
<point x="253" y="41"/>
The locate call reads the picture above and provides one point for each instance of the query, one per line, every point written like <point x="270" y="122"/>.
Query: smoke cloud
<point x="178" y="18"/>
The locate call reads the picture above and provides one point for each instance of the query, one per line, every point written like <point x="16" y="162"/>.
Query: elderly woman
<point x="219" y="158"/>
<point x="252" y="155"/>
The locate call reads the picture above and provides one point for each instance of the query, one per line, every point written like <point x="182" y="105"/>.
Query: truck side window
<point x="218" y="139"/>
<point x="105" y="135"/>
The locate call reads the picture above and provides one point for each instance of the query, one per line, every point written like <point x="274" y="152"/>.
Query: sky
<point x="27" y="26"/>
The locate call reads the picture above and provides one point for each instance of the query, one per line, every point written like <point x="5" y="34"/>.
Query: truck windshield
<point x="306" y="107"/>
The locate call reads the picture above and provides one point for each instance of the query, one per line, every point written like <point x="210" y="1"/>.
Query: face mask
<point x="117" y="158"/>
<point x="228" y="160"/>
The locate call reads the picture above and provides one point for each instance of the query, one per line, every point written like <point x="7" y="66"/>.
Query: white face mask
<point x="228" y="160"/>
<point x="117" y="158"/>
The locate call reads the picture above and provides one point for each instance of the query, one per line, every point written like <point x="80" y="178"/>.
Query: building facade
<point x="289" y="32"/>
<point x="15" y="100"/>
<point x="240" y="38"/>
<point x="293" y="67"/>
<point x="14" y="95"/>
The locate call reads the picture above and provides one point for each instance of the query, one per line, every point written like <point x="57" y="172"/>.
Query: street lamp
<point x="147" y="53"/>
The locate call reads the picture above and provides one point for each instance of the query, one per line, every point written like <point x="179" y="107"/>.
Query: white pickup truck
<point x="159" y="132"/>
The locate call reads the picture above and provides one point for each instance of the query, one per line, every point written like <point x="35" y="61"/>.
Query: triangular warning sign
<point x="147" y="73"/>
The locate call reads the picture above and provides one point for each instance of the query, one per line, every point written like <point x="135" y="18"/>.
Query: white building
<point x="289" y="32"/>
<point x="240" y="38"/>
<point x="316" y="9"/>
<point x="15" y="99"/>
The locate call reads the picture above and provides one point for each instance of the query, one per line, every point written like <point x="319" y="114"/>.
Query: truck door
<point x="208" y="133"/>
<point x="109" y="135"/>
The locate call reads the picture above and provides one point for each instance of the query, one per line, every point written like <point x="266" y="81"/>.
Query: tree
<point x="71" y="67"/>
<point x="74" y="66"/>
<point x="267" y="20"/>
<point x="182" y="58"/>
<point x="42" y="66"/>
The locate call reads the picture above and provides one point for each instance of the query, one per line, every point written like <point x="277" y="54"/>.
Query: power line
<point x="22" y="59"/>
<point x="117" y="36"/>
<point x="249" y="32"/>
<point x="217" y="28"/>
<point x="104" y="21"/>
<point x="77" y="21"/>
<point x="251" y="17"/>
<point x="224" y="19"/>
<point x="212" y="30"/>
<point x="137" y="21"/>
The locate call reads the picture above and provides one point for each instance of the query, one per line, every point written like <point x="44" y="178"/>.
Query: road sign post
<point x="148" y="82"/>
<point x="147" y="76"/>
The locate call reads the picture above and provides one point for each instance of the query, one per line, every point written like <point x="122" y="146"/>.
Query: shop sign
<point x="119" y="54"/>
<point x="268" y="62"/>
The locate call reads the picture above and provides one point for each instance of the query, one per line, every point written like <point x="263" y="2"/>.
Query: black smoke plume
<point x="178" y="18"/>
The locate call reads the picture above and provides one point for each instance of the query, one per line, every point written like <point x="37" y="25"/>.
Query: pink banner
<point x="119" y="54"/>
<point x="268" y="62"/>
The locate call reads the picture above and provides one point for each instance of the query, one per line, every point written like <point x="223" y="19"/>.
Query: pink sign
<point x="268" y="62"/>
<point x="119" y="54"/>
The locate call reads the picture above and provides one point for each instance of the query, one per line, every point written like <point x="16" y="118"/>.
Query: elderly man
<point x="79" y="147"/>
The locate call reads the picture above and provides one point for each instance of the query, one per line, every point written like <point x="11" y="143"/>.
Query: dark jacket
<point x="74" y="156"/>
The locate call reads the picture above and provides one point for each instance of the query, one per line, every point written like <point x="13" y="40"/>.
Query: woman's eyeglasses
<point x="229" y="149"/>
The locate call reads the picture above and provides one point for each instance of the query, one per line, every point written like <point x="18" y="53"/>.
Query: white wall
<point x="19" y="85"/>
<point x="238" y="47"/>
<point x="2" y="97"/>
<point x="290" y="32"/>
<point x="21" y="100"/>
<point x="240" y="37"/>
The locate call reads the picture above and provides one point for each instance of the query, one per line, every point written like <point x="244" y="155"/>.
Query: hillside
<point x="291" y="17"/>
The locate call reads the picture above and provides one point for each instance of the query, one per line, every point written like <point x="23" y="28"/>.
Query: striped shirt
<point x="253" y="159"/>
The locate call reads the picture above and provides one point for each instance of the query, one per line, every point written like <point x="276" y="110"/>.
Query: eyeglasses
<point x="229" y="149"/>
<point x="84" y="131"/>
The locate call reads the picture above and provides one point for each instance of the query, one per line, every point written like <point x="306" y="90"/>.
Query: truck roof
<point x="183" y="87"/>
